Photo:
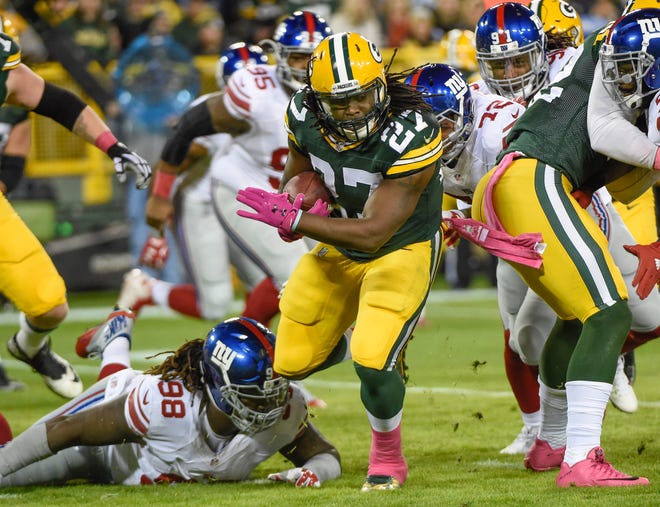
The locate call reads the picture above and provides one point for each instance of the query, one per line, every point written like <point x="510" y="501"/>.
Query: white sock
<point x="531" y="419"/>
<point x="28" y="339"/>
<point x="160" y="293"/>
<point x="587" y="401"/>
<point x="553" y="416"/>
<point x="117" y="352"/>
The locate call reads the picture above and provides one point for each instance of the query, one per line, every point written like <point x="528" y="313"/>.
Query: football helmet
<point x="347" y="67"/>
<point x="235" y="57"/>
<point x="630" y="57"/>
<point x="445" y="90"/>
<point x="237" y="367"/>
<point x="300" y="32"/>
<point x="458" y="50"/>
<point x="7" y="27"/>
<point x="634" y="5"/>
<point x="559" y="17"/>
<point x="511" y="51"/>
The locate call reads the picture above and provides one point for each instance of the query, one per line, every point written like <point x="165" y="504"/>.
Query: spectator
<point x="419" y="47"/>
<point x="358" y="16"/>
<point x="199" y="18"/>
<point x="599" y="14"/>
<point x="396" y="22"/>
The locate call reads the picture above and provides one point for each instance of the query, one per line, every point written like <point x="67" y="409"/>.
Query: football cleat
<point x="7" y="384"/>
<point x="136" y="290"/>
<point x="523" y="441"/>
<point x="595" y="471"/>
<point x="56" y="371"/>
<point x="629" y="366"/>
<point x="541" y="457"/>
<point x="93" y="342"/>
<point x="380" y="483"/>
<point x="623" y="395"/>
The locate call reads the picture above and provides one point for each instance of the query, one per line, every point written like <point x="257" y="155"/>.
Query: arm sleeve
<point x="611" y="128"/>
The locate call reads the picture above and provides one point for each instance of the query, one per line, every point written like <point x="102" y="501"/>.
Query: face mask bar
<point x="623" y="75"/>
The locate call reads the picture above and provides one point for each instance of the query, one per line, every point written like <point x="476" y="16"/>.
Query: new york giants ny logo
<point x="650" y="26"/>
<point x="223" y="356"/>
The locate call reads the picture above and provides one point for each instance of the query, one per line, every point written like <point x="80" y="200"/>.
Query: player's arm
<point x="295" y="164"/>
<point x="12" y="161"/>
<point x="316" y="459"/>
<point x="103" y="424"/>
<point x="385" y="211"/>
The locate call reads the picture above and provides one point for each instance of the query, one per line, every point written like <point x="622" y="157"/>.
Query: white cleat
<point x="623" y="395"/>
<point x="136" y="290"/>
<point x="524" y="441"/>
<point x="93" y="342"/>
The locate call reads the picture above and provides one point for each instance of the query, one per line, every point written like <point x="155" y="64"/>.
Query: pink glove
<point x="451" y="235"/>
<point x="301" y="477"/>
<point x="319" y="208"/>
<point x="271" y="208"/>
<point x="648" y="271"/>
<point x="155" y="252"/>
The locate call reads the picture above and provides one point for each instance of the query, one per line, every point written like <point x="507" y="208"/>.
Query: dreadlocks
<point x="404" y="97"/>
<point x="182" y="364"/>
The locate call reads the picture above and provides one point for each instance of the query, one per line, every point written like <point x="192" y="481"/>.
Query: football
<point x="311" y="185"/>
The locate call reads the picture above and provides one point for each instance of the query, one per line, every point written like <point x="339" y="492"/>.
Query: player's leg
<point x="30" y="280"/>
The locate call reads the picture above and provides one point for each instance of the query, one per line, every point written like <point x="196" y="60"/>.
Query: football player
<point x="550" y="155"/>
<point x="211" y="411"/>
<point x="376" y="144"/>
<point x="28" y="277"/>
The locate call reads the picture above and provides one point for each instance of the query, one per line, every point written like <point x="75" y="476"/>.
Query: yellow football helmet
<point x="347" y="68"/>
<point x="8" y="27"/>
<point x="633" y="5"/>
<point x="457" y="48"/>
<point x="559" y="17"/>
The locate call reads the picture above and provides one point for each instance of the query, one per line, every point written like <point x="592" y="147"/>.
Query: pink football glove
<point x="301" y="477"/>
<point x="451" y="235"/>
<point x="271" y="208"/>
<point x="155" y="252"/>
<point x="648" y="271"/>
<point x="319" y="208"/>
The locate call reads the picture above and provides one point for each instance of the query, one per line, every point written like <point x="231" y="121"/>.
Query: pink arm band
<point x="105" y="140"/>
<point x="162" y="185"/>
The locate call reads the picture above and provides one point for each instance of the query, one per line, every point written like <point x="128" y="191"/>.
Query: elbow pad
<point x="194" y="123"/>
<point x="11" y="170"/>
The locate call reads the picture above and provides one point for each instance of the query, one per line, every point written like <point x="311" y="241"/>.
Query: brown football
<point x="311" y="185"/>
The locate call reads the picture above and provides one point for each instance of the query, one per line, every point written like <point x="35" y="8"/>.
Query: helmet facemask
<point x="453" y="144"/>
<point x="624" y="75"/>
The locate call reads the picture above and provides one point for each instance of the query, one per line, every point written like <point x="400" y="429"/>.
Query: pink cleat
<point x="595" y="471"/>
<point x="541" y="457"/>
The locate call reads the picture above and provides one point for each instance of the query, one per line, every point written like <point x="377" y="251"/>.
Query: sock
<point x="531" y="419"/>
<point x="30" y="338"/>
<point x="638" y="338"/>
<point x="553" y="416"/>
<point x="385" y="455"/>
<point x="115" y="357"/>
<point x="180" y="298"/>
<point x="262" y="303"/>
<point x="5" y="431"/>
<point x="522" y="378"/>
<point x="587" y="401"/>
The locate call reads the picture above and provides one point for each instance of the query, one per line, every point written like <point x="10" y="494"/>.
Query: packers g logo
<point x="567" y="10"/>
<point x="375" y="53"/>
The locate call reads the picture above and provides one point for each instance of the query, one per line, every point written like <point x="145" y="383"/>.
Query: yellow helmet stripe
<point x="341" y="69"/>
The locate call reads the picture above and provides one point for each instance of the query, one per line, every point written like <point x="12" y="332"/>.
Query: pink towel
<point x="525" y="249"/>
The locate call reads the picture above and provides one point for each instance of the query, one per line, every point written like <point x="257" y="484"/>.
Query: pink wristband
<point x="162" y="185"/>
<point x="656" y="162"/>
<point x="105" y="140"/>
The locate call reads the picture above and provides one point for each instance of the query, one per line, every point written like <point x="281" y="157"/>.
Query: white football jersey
<point x="257" y="157"/>
<point x="175" y="448"/>
<point x="493" y="118"/>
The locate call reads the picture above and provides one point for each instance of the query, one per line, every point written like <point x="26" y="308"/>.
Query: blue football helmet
<point x="237" y="364"/>
<point x="511" y="51"/>
<point x="445" y="90"/>
<point x="300" y="32"/>
<point x="630" y="57"/>
<point x="235" y="57"/>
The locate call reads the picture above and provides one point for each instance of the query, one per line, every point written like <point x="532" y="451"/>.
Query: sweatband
<point x="162" y="185"/>
<point x="324" y="465"/>
<point x="11" y="170"/>
<point x="105" y="140"/>
<point x="195" y="122"/>
<point x="296" y="220"/>
<point x="27" y="448"/>
<point x="61" y="105"/>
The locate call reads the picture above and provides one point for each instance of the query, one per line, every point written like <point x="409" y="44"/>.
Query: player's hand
<point x="301" y="477"/>
<point x="583" y="197"/>
<point x="320" y="208"/>
<point x="159" y="212"/>
<point x="127" y="160"/>
<point x="270" y="208"/>
<point x="648" y="271"/>
<point x="450" y="234"/>
<point x="155" y="252"/>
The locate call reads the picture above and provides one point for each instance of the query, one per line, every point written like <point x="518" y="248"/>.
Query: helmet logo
<point x="457" y="85"/>
<point x="650" y="26"/>
<point x="375" y="53"/>
<point x="567" y="9"/>
<point x="222" y="356"/>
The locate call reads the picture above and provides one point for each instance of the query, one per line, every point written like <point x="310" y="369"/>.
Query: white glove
<point x="301" y="477"/>
<point x="124" y="159"/>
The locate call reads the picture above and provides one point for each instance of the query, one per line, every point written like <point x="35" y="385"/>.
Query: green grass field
<point x="458" y="413"/>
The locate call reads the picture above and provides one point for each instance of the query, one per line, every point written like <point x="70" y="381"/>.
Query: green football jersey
<point x="10" y="57"/>
<point x="554" y="130"/>
<point x="406" y="144"/>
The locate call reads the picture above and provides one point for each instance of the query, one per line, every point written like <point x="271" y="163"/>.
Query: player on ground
<point x="211" y="411"/>
<point x="376" y="144"/>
